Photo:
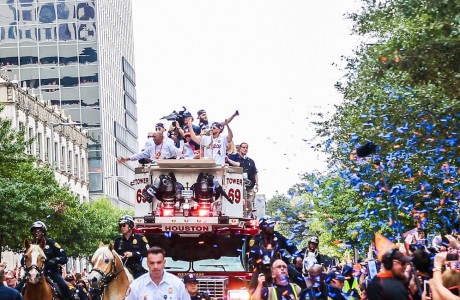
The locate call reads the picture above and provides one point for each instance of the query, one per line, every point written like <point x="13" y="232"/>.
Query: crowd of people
<point x="204" y="139"/>
<point x="280" y="270"/>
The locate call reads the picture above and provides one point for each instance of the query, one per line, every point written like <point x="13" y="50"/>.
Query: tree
<point x="401" y="93"/>
<point x="29" y="192"/>
<point x="99" y="223"/>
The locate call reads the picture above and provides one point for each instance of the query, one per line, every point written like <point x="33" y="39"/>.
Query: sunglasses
<point x="149" y="136"/>
<point x="158" y="128"/>
<point x="9" y="278"/>
<point x="122" y="225"/>
<point x="214" y="127"/>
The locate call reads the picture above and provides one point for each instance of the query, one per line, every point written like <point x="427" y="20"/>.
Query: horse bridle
<point x="35" y="267"/>
<point x="107" y="277"/>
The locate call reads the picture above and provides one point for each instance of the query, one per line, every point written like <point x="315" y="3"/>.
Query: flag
<point x="382" y="245"/>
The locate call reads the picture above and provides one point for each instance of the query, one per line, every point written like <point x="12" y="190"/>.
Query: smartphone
<point x="426" y="289"/>
<point x="452" y="257"/>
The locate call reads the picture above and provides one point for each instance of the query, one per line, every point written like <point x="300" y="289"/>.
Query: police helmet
<point x="126" y="219"/>
<point x="266" y="222"/>
<point x="38" y="224"/>
<point x="314" y="240"/>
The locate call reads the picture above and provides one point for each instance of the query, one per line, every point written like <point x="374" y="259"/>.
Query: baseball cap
<point x="69" y="277"/>
<point x="186" y="114"/>
<point x="200" y="112"/>
<point x="334" y="275"/>
<point x="189" y="278"/>
<point x="160" y="125"/>
<point x="217" y="124"/>
<point x="397" y="255"/>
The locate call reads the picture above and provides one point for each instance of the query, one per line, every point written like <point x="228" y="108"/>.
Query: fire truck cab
<point x="194" y="210"/>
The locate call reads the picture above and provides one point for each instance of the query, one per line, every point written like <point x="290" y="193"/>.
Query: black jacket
<point x="385" y="287"/>
<point x="137" y="244"/>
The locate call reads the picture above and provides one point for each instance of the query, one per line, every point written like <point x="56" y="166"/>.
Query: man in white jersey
<point x="215" y="145"/>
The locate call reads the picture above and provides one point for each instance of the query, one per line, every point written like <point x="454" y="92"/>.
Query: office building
<point x="79" y="56"/>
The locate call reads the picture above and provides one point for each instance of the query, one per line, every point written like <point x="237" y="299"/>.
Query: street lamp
<point x="53" y="161"/>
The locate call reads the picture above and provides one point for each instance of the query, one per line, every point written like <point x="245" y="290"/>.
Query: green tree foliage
<point x="401" y="92"/>
<point x="98" y="224"/>
<point x="29" y="192"/>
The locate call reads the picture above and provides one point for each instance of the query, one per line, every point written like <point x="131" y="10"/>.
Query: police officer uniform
<point x="199" y="295"/>
<point x="266" y="247"/>
<point x="137" y="244"/>
<point x="55" y="256"/>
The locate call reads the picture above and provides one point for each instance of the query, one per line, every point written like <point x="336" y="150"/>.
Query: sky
<point x="272" y="60"/>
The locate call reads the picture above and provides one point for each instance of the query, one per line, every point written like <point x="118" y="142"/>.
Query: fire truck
<point x="194" y="210"/>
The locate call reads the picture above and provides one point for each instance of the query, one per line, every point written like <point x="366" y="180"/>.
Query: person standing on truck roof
<point x="241" y="159"/>
<point x="203" y="121"/>
<point x="161" y="150"/>
<point x="215" y="145"/>
<point x="191" y="284"/>
<point x="157" y="283"/>
<point x="132" y="247"/>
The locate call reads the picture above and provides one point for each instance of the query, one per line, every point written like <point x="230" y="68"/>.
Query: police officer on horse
<point x="55" y="256"/>
<point x="132" y="247"/>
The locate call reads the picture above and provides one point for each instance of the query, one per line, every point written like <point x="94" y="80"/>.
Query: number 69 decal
<point x="234" y="194"/>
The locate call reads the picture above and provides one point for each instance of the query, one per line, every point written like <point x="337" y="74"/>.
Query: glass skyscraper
<point x="79" y="54"/>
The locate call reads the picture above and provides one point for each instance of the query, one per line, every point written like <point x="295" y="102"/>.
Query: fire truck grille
<point x="214" y="286"/>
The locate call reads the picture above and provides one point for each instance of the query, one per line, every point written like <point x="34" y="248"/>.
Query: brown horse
<point x="38" y="287"/>
<point x="109" y="274"/>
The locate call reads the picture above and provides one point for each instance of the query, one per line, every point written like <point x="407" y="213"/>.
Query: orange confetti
<point x="382" y="59"/>
<point x="396" y="146"/>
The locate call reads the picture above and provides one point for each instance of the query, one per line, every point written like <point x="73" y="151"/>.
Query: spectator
<point x="437" y="287"/>
<point x="161" y="150"/>
<point x="70" y="280"/>
<point x="351" y="284"/>
<point x="281" y="287"/>
<point x="335" y="282"/>
<point x="191" y="284"/>
<point x="241" y="159"/>
<point x="11" y="279"/>
<point x="214" y="146"/>
<point x="157" y="281"/>
<point x="316" y="287"/>
<point x="391" y="282"/>
<point x="7" y="293"/>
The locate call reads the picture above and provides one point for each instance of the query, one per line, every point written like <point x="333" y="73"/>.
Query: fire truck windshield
<point x="204" y="253"/>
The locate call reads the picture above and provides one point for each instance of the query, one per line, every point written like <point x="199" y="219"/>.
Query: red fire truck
<point x="195" y="211"/>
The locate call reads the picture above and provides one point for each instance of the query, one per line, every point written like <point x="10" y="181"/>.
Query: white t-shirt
<point x="215" y="148"/>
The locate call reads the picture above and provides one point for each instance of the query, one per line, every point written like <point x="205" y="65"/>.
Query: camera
<point x="176" y="117"/>
<point x="266" y="269"/>
<point x="452" y="257"/>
